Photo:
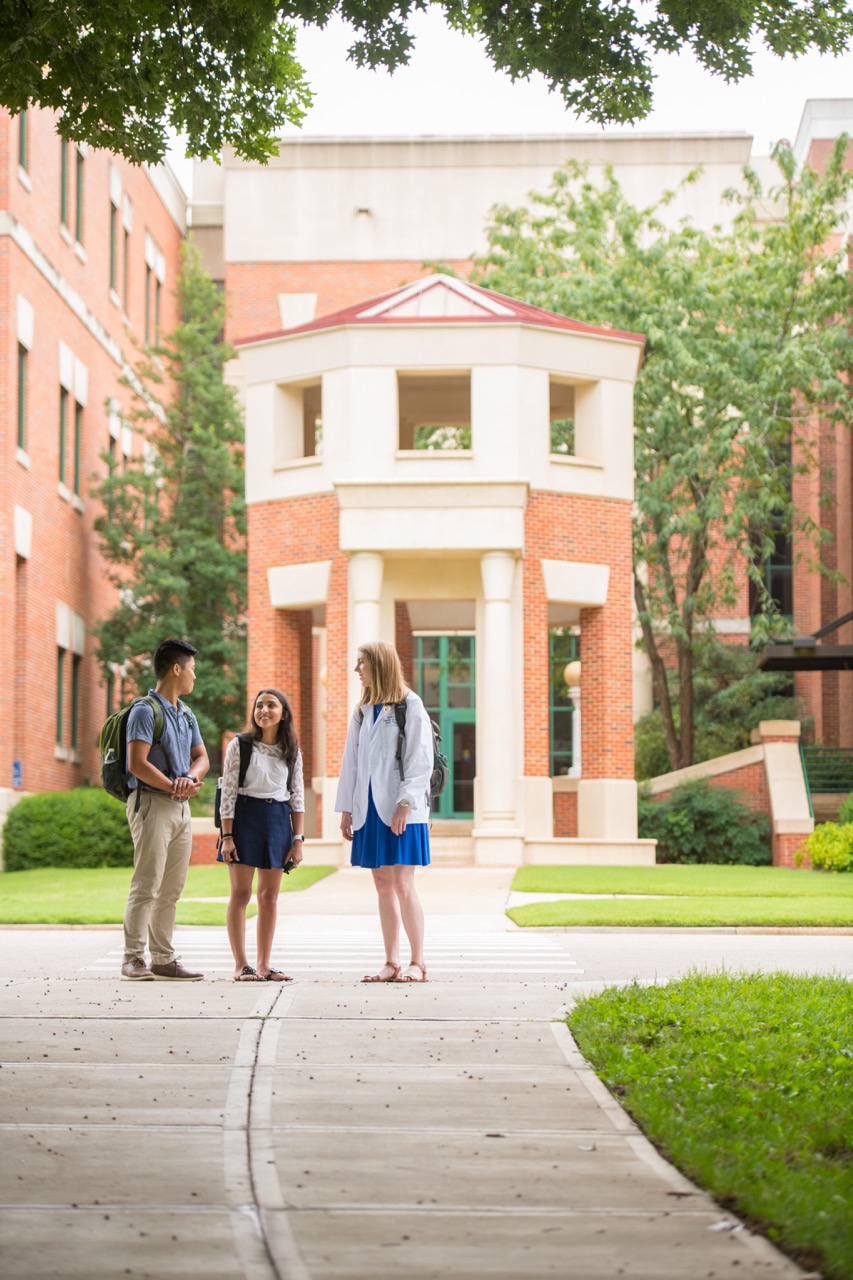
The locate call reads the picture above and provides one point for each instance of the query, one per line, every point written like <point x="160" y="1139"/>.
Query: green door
<point x="444" y="678"/>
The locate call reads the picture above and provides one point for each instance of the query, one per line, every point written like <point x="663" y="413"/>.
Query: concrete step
<point x="451" y="851"/>
<point x="450" y="827"/>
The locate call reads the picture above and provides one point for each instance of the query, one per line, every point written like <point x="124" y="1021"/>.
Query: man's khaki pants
<point x="162" y="843"/>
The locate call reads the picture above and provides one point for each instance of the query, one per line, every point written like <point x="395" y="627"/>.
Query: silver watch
<point x="404" y="804"/>
<point x="302" y="838"/>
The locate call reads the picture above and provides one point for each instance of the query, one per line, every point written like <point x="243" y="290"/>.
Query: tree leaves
<point x="173" y="528"/>
<point x="744" y="355"/>
<point x="224" y="72"/>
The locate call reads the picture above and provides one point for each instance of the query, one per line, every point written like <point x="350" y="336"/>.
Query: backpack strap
<point x="400" y="715"/>
<point x="159" y="726"/>
<point x="246" y="744"/>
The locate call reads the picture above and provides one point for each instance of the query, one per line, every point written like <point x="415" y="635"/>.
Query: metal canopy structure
<point x="805" y="654"/>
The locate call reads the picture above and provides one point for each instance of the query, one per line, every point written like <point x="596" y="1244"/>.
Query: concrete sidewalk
<point x="329" y="1129"/>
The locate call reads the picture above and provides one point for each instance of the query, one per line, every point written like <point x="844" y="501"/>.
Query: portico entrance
<point x="444" y="678"/>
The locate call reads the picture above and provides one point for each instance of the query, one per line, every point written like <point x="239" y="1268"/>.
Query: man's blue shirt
<point x="180" y="735"/>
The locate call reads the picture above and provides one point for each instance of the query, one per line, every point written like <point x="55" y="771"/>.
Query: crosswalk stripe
<point x="354" y="947"/>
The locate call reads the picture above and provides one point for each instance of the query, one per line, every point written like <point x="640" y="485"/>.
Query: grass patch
<point x="59" y="895"/>
<point x="699" y="896"/>
<point x="746" y="1084"/>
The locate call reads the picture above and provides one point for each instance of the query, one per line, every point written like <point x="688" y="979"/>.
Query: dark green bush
<point x="81" y="828"/>
<point x="701" y="823"/>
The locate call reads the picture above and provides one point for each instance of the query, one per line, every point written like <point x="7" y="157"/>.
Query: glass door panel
<point x="444" y="679"/>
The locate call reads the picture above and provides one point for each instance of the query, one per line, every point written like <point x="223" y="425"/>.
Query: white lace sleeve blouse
<point x="266" y="777"/>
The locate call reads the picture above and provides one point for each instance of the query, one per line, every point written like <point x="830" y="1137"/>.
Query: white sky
<point x="450" y="87"/>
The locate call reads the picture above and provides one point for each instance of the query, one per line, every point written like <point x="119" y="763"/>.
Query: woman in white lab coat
<point x="384" y="814"/>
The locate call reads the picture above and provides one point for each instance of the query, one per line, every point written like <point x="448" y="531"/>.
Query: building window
<point x="63" y="432"/>
<point x="564" y="647"/>
<point x="561" y="401"/>
<point x="434" y="411"/>
<point x="113" y="247"/>
<point x="63" y="181"/>
<point x="125" y="275"/>
<point x="78" y="207"/>
<point x="158" y="290"/>
<point x="778" y="574"/>
<point x="24" y="141"/>
<point x="110" y="689"/>
<point x="78" y="445"/>
<point x="23" y="356"/>
<point x="60" y="694"/>
<point x="76" y="664"/>
<point x="149" y="276"/>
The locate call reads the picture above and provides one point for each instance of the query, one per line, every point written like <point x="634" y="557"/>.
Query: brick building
<point x="463" y="547"/>
<point x="89" y="256"/>
<point x="333" y="221"/>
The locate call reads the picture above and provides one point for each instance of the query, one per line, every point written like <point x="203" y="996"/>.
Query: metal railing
<point x="828" y="768"/>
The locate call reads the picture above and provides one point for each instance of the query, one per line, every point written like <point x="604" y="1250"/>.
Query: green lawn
<point x="688" y="896"/>
<point x="746" y="1084"/>
<point x="56" y="895"/>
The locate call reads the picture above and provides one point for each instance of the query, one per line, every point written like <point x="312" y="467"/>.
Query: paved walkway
<point x="333" y="1130"/>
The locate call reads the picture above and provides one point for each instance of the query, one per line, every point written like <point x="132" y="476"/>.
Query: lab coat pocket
<point x="387" y="733"/>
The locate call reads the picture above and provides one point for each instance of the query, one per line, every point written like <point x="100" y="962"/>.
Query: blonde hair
<point x="386" y="674"/>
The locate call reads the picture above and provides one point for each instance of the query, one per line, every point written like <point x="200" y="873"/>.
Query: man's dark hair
<point x="168" y="653"/>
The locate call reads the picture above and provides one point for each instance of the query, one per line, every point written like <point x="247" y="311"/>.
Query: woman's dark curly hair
<point x="286" y="738"/>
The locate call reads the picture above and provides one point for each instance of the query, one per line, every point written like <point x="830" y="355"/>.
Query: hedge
<point x="699" y="823"/>
<point x="81" y="828"/>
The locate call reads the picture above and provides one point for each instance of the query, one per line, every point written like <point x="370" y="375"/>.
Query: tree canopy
<point x="225" y="71"/>
<point x="747" y="347"/>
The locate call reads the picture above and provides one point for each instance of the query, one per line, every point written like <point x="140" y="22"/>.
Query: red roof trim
<point x="522" y="312"/>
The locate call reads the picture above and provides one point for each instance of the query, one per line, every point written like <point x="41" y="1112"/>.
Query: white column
<point x="497" y="734"/>
<point x="365" y="581"/>
<point x="575" y="696"/>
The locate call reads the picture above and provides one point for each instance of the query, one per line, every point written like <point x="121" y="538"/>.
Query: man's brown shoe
<point x="174" y="971"/>
<point x="136" y="970"/>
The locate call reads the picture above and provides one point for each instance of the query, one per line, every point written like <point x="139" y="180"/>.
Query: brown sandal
<point x="413" y="964"/>
<point x="247" y="974"/>
<point x="377" y="977"/>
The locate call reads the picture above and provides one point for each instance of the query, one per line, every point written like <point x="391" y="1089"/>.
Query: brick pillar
<point x="403" y="640"/>
<point x="537" y="744"/>
<point x="340" y="657"/>
<point x="607" y="727"/>
<point x="790" y="818"/>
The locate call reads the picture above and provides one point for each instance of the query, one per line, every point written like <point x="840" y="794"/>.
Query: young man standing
<point x="164" y="778"/>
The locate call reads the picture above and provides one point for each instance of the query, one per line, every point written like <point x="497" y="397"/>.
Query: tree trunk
<point x="659" y="678"/>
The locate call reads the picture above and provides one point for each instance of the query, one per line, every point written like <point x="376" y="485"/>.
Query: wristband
<point x="299" y="837"/>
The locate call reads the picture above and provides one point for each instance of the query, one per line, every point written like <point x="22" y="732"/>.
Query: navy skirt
<point x="262" y="833"/>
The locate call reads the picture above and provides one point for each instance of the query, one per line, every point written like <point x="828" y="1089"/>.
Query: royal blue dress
<point x="375" y="845"/>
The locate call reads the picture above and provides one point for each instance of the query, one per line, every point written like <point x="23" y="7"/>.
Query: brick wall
<point x="48" y="269"/>
<point x="252" y="288"/>
<point x="300" y="531"/>
<point x="566" y="814"/>
<point x="598" y="531"/>
<point x="403" y="640"/>
<point x="749" y="783"/>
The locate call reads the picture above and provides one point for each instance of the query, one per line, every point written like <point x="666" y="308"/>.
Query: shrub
<point x="830" y="847"/>
<point x="845" y="813"/>
<point x="82" y="828"/>
<point x="701" y="823"/>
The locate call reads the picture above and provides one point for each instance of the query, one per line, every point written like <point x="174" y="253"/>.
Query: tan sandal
<point x="406" y="977"/>
<point x="377" y="977"/>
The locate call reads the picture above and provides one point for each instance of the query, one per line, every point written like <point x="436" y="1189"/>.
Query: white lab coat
<point x="370" y="760"/>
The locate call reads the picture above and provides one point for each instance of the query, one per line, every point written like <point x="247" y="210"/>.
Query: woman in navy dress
<point x="261" y="828"/>
<point x="385" y="809"/>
